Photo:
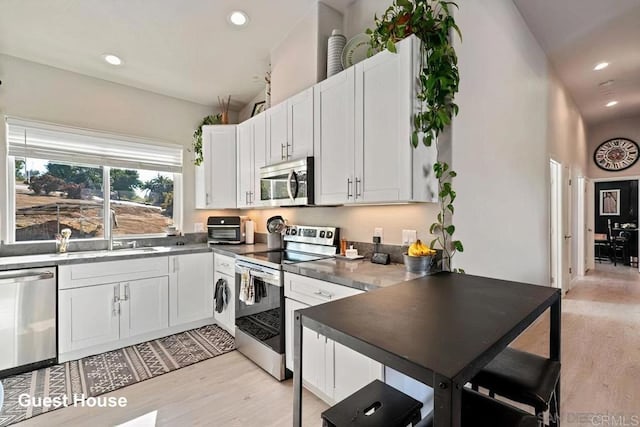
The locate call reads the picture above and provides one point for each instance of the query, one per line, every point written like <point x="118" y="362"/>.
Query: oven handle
<point x="269" y="278"/>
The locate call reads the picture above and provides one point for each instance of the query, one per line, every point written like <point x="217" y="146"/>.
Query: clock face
<point x="616" y="154"/>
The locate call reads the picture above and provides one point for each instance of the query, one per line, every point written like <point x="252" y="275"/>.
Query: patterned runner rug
<point x="105" y="372"/>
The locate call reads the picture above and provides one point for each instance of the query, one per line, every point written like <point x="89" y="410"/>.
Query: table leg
<point x="447" y="403"/>
<point x="297" y="370"/>
<point x="555" y="338"/>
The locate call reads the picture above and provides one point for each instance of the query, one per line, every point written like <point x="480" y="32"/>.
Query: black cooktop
<point x="284" y="257"/>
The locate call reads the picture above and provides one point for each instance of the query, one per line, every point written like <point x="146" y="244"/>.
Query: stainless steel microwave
<point x="288" y="183"/>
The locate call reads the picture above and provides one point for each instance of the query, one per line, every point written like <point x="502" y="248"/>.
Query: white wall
<point x="359" y="15"/>
<point x="39" y="92"/>
<point x="626" y="127"/>
<point x="245" y="113"/>
<point x="299" y="61"/>
<point x="357" y="222"/>
<point x="500" y="146"/>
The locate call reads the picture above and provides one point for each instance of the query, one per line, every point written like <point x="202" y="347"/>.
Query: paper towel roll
<point x="249" y="229"/>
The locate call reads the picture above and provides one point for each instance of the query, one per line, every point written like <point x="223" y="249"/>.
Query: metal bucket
<point x="420" y="264"/>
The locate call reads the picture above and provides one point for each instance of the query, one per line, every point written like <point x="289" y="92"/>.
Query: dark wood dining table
<point x="440" y="329"/>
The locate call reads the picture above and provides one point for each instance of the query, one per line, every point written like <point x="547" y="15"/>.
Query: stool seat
<point x="375" y="405"/>
<point x="479" y="410"/>
<point x="520" y="376"/>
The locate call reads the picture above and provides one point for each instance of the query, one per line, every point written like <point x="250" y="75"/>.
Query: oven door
<point x="224" y="234"/>
<point x="260" y="304"/>
<point x="287" y="184"/>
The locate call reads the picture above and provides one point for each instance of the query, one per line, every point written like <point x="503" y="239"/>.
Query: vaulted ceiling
<point x="577" y="35"/>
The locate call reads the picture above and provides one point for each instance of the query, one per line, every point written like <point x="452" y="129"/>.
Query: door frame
<point x="621" y="178"/>
<point x="555" y="223"/>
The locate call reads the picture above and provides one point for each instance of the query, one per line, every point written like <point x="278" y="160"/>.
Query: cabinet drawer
<point x="313" y="291"/>
<point x="224" y="264"/>
<point x="93" y="273"/>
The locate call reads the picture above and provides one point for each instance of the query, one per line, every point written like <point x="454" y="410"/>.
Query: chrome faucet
<point x="120" y="244"/>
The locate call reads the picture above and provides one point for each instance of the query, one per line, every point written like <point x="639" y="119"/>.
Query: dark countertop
<point x="233" y="250"/>
<point x="358" y="274"/>
<point x="444" y="322"/>
<point x="46" y="260"/>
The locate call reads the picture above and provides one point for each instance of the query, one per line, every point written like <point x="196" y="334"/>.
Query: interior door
<point x="590" y="224"/>
<point x="568" y="270"/>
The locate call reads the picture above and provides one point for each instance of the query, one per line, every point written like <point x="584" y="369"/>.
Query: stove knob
<point x="322" y="234"/>
<point x="329" y="234"/>
<point x="294" y="231"/>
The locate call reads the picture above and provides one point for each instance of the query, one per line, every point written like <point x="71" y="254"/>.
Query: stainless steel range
<point x="260" y="317"/>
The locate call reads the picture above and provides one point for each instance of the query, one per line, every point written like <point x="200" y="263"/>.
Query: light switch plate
<point x="377" y="232"/>
<point x="409" y="236"/>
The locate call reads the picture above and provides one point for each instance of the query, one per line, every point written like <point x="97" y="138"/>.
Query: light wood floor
<point x="600" y="372"/>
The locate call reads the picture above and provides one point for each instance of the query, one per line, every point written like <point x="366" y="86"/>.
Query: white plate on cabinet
<point x="356" y="50"/>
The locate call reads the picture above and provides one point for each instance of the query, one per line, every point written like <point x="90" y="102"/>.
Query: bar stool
<point x="601" y="243"/>
<point x="522" y="377"/>
<point x="479" y="410"/>
<point x="375" y="405"/>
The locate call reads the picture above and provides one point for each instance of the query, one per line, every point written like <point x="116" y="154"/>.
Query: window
<point x="60" y="177"/>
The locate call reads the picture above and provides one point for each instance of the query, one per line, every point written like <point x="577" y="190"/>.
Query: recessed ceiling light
<point x="601" y="66"/>
<point x="238" y="18"/>
<point x="112" y="59"/>
<point x="611" y="103"/>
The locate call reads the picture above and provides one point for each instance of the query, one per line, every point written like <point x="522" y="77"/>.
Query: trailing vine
<point x="196" y="145"/>
<point x="433" y="24"/>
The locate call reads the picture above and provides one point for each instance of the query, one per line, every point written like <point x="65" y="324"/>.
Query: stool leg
<point x="554" y="416"/>
<point x="540" y="417"/>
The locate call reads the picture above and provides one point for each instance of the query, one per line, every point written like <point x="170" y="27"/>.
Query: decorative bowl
<point x="422" y="264"/>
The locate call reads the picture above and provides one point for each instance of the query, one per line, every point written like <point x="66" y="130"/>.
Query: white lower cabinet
<point x="190" y="288"/>
<point x="225" y="270"/>
<point x="88" y="317"/>
<point x="112" y="304"/>
<point x="329" y="370"/>
<point x="143" y="307"/>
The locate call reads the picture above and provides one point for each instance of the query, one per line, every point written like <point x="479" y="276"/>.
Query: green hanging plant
<point x="197" y="137"/>
<point x="433" y="24"/>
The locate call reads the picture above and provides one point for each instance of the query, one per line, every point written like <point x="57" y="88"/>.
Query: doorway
<point x="615" y="205"/>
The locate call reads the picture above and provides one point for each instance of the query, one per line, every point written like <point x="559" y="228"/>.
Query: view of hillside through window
<point x="52" y="196"/>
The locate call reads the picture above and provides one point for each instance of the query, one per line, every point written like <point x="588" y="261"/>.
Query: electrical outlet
<point x="409" y="236"/>
<point x="377" y="232"/>
<point x="198" y="227"/>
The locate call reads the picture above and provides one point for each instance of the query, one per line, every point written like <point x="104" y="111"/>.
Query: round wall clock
<point x="616" y="154"/>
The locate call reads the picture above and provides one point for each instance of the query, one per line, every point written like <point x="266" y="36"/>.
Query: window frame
<point x="8" y="206"/>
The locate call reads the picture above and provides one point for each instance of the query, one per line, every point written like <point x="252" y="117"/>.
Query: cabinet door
<point x="259" y="154"/>
<point x="203" y="176"/>
<point x="334" y="138"/>
<point x="277" y="131"/>
<point x="245" y="164"/>
<point x="352" y="371"/>
<point x="190" y="288"/>
<point x="315" y="369"/>
<point x="145" y="306"/>
<point x="300" y="121"/>
<point x="220" y="170"/>
<point x="383" y="157"/>
<point x="88" y="316"/>
<point x="227" y="319"/>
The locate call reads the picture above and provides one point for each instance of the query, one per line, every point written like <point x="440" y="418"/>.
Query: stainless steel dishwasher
<point x="28" y="337"/>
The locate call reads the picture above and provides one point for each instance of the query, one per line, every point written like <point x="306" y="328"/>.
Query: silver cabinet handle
<point x="282" y="152"/>
<point x="126" y="293"/>
<point x="358" y="181"/>
<point x="288" y="145"/>
<point x="116" y="301"/>
<point x="323" y="294"/>
<point x="175" y="264"/>
<point x="349" y="183"/>
<point x="251" y="198"/>
<point x="206" y="199"/>
<point x="24" y="277"/>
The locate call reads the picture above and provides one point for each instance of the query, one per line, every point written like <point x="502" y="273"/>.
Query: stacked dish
<point x="337" y="41"/>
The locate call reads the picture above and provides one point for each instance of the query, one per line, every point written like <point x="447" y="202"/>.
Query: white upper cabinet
<point x="363" y="126"/>
<point x="277" y="132"/>
<point x="334" y="142"/>
<point x="215" y="178"/>
<point x="290" y="128"/>
<point x="251" y="157"/>
<point x="300" y="125"/>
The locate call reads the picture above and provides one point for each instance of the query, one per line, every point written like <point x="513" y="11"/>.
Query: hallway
<point x="600" y="346"/>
